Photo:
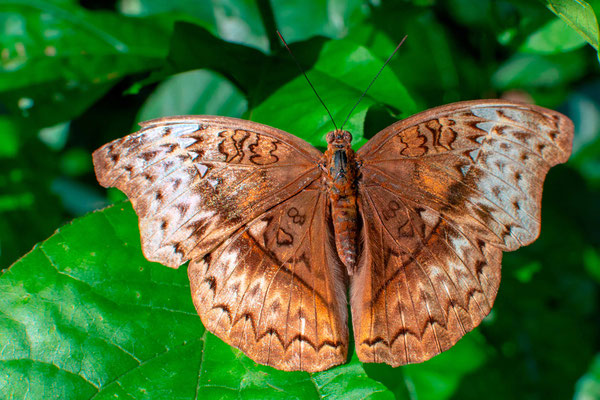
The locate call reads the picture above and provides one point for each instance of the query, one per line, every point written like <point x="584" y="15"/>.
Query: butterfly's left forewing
<point x="194" y="180"/>
<point x="442" y="194"/>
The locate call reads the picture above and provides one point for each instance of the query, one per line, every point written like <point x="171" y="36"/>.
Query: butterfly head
<point x="339" y="139"/>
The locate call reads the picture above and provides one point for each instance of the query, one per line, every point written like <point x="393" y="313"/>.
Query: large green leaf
<point x="530" y="71"/>
<point x="430" y="63"/>
<point x="84" y="314"/>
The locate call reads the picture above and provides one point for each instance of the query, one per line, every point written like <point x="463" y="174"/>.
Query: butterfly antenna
<point x="308" y="80"/>
<point x="373" y="81"/>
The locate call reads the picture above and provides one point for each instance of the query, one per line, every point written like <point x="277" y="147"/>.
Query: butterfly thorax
<point x="342" y="170"/>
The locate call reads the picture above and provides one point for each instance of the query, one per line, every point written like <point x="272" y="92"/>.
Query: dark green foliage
<point x="84" y="314"/>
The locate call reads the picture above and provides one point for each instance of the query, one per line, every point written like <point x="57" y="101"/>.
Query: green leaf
<point x="236" y="21"/>
<point x="538" y="71"/>
<point x="76" y="162"/>
<point x="437" y="378"/>
<point x="84" y="314"/>
<point x="554" y="37"/>
<point x="57" y="59"/>
<point x="428" y="63"/>
<point x="580" y="16"/>
<point x="39" y="37"/>
<point x="199" y="12"/>
<point x="591" y="258"/>
<point x="526" y="272"/>
<point x="341" y="74"/>
<point x="588" y="386"/>
<point x="301" y="19"/>
<point x="240" y="64"/>
<point x="256" y="74"/>
<point x="29" y="211"/>
<point x="9" y="137"/>
<point x="194" y="92"/>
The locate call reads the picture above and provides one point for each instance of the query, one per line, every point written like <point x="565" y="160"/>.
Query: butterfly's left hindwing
<point x="274" y="289"/>
<point x="441" y="195"/>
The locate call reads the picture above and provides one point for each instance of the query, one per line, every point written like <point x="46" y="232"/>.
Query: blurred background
<point x="77" y="74"/>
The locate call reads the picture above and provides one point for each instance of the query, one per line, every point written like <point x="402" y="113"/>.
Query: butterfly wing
<point x="274" y="288"/>
<point x="243" y="201"/>
<point x="442" y="194"/>
<point x="195" y="180"/>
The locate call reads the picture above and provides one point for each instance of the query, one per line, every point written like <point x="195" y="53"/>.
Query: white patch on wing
<point x="485" y="112"/>
<point x="257" y="228"/>
<point x="186" y="142"/>
<point x="474" y="154"/>
<point x="230" y="257"/>
<point x="460" y="245"/>
<point x="430" y="217"/>
<point x="205" y="214"/>
<point x="184" y="129"/>
<point x="201" y="168"/>
<point x="486" y="126"/>
<point x="435" y="272"/>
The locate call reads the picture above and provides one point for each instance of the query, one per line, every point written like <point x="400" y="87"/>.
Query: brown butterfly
<point x="415" y="222"/>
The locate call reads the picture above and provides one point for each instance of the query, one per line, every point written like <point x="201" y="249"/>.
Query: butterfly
<point x="413" y="224"/>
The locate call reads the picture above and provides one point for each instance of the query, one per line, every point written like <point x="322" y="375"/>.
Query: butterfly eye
<point x="330" y="137"/>
<point x="347" y="136"/>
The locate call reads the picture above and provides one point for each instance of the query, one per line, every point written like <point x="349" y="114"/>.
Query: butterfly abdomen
<point x="341" y="173"/>
<point x="345" y="216"/>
